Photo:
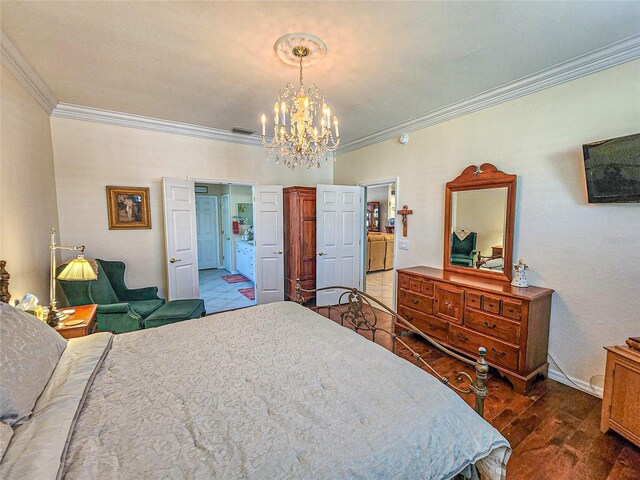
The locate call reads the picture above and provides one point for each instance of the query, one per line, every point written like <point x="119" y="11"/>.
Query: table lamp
<point x="78" y="269"/>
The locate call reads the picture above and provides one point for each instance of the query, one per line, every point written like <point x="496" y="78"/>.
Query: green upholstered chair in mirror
<point x="463" y="252"/>
<point x="120" y="309"/>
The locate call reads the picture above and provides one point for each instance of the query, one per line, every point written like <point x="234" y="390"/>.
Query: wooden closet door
<point x="307" y="265"/>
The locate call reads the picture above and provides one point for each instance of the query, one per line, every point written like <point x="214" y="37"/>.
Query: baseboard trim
<point x="575" y="383"/>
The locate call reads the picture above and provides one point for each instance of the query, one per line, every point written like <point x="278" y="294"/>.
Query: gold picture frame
<point x="128" y="208"/>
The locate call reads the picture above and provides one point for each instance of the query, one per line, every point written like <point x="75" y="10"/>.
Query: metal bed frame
<point x="351" y="309"/>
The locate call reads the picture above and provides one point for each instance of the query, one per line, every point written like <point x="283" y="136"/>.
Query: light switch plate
<point x="403" y="245"/>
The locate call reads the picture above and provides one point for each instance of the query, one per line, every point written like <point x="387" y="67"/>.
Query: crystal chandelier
<point x="302" y="131"/>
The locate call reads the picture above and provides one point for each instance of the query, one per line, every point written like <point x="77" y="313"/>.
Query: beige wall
<point x="28" y="192"/>
<point x="90" y="156"/>
<point x="588" y="253"/>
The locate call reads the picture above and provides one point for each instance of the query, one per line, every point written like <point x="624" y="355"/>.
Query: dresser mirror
<point x="479" y="221"/>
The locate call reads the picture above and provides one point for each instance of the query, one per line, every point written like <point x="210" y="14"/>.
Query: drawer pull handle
<point x="415" y="301"/>
<point x="461" y="337"/>
<point x="434" y="327"/>
<point x="496" y="352"/>
<point x="489" y="325"/>
<point x="409" y="317"/>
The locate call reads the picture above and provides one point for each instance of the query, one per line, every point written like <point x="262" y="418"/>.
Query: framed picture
<point x="128" y="208"/>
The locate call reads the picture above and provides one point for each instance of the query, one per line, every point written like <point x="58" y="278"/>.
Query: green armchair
<point x="464" y="251"/>
<point x="120" y="309"/>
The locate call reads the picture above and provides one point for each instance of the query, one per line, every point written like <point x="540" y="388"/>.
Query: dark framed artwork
<point x="612" y="169"/>
<point x="128" y="208"/>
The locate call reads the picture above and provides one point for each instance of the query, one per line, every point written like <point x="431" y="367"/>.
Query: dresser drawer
<point x="512" y="309"/>
<point x="492" y="326"/>
<point x="415" y="284"/>
<point x="404" y="280"/>
<point x="491" y="304"/>
<point x="433" y="327"/>
<point x="473" y="300"/>
<point x="416" y="301"/>
<point x="426" y="288"/>
<point x="497" y="352"/>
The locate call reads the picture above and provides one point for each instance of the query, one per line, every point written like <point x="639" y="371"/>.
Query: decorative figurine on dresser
<point x="466" y="307"/>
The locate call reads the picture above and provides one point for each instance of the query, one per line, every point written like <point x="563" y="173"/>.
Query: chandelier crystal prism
<point x="304" y="132"/>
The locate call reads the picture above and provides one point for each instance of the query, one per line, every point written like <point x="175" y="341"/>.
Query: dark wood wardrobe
<point x="299" y="240"/>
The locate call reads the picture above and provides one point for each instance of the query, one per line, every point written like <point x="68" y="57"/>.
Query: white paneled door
<point x="268" y="228"/>
<point x="180" y="238"/>
<point x="208" y="231"/>
<point x="339" y="218"/>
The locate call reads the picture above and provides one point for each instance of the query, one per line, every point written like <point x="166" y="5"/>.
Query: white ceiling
<point x="213" y="63"/>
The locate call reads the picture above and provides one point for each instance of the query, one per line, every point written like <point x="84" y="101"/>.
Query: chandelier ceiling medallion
<point x="302" y="133"/>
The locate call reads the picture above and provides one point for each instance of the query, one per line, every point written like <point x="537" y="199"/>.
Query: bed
<point x="271" y="391"/>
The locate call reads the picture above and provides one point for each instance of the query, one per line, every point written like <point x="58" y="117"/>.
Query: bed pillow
<point x="29" y="351"/>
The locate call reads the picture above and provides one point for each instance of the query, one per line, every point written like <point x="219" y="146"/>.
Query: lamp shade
<point x="78" y="269"/>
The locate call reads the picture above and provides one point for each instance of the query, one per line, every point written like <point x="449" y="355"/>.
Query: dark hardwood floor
<point x="554" y="431"/>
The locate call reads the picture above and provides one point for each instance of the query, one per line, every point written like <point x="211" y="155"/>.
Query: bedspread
<point x="271" y="392"/>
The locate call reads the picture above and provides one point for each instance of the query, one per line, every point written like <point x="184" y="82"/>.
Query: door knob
<point x="321" y="253"/>
<point x="174" y="260"/>
<point x="279" y="252"/>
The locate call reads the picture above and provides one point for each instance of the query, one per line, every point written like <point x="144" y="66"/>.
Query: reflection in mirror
<point x="478" y="226"/>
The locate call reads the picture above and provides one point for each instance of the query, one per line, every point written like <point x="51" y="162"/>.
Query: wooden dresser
<point x="299" y="239"/>
<point x="465" y="312"/>
<point x="621" y="399"/>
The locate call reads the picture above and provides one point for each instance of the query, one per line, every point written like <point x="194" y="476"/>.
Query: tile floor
<point x="219" y="295"/>
<point x="380" y="285"/>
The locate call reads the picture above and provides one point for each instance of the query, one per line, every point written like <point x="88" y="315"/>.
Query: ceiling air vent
<point x="242" y="131"/>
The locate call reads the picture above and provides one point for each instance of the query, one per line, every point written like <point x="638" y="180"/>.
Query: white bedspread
<point x="271" y="392"/>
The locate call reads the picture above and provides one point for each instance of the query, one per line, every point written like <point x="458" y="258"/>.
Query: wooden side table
<point x="621" y="399"/>
<point x="87" y="313"/>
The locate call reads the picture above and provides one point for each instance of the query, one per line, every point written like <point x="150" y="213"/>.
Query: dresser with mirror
<point x="470" y="302"/>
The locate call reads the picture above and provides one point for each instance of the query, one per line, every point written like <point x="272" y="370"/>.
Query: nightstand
<point x="620" y="405"/>
<point x="87" y="313"/>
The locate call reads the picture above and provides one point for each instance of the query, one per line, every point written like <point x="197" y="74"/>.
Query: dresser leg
<point x="523" y="385"/>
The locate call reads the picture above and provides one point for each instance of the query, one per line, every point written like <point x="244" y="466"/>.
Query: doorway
<point x="226" y="246"/>
<point x="380" y="244"/>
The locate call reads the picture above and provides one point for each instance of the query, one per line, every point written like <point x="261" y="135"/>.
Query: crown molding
<point x="98" y="115"/>
<point x="601" y="59"/>
<point x="595" y="61"/>
<point x="25" y="74"/>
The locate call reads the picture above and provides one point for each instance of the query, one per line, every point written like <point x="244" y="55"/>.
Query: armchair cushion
<point x="118" y="318"/>
<point x="136" y="294"/>
<point x="144" y="308"/>
<point x="113" y="308"/>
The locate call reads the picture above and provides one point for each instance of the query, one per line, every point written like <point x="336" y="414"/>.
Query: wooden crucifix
<point x="404" y="212"/>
